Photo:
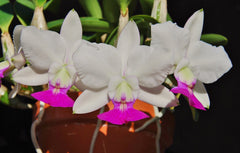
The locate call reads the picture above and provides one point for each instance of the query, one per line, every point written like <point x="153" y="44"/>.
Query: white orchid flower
<point x="194" y="61"/>
<point x="123" y="74"/>
<point x="49" y="54"/>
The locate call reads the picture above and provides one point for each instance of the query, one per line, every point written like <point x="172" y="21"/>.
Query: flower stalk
<point x="7" y="45"/>
<point x="159" y="10"/>
<point x="123" y="20"/>
<point x="38" y="19"/>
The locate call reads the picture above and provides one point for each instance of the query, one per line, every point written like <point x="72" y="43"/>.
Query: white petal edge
<point x="201" y="94"/>
<point x="42" y="47"/>
<point x="195" y="24"/>
<point x="71" y="29"/>
<point x="28" y="76"/>
<point x="90" y="101"/>
<point x="96" y="64"/>
<point x="16" y="37"/>
<point x="151" y="67"/>
<point x="129" y="36"/>
<point x="78" y="83"/>
<point x="160" y="97"/>
<point x="208" y="62"/>
<point x="170" y="39"/>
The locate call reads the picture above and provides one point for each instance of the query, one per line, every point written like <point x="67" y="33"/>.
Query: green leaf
<point x="111" y="39"/>
<point x="124" y="5"/>
<point x="90" y="37"/>
<point x="4" y="98"/>
<point x="92" y="8"/>
<point x="144" y="18"/>
<point x="214" y="39"/>
<point x="6" y="15"/>
<point x="89" y="24"/>
<point x="24" y="11"/>
<point x="55" y="25"/>
<point x="169" y="18"/>
<point x="45" y="6"/>
<point x="146" y="6"/>
<point x="143" y="22"/>
<point x="39" y="3"/>
<point x="54" y="6"/>
<point x="111" y="10"/>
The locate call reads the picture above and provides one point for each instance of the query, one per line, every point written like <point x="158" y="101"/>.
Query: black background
<point x="217" y="130"/>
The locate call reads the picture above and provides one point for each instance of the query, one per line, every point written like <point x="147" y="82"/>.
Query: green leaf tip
<point x="214" y="39"/>
<point x="6" y="15"/>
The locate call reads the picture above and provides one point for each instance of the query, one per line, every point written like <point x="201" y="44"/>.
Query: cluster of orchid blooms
<point x="119" y="74"/>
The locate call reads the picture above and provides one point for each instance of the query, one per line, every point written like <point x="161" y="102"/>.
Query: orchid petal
<point x="41" y="48"/>
<point x="159" y="96"/>
<point x="182" y="88"/>
<point x="194" y="102"/>
<point x="128" y="40"/>
<point x="71" y="29"/>
<point x="16" y="37"/>
<point x="119" y="116"/>
<point x="151" y="67"/>
<point x="79" y="84"/>
<point x="208" y="62"/>
<point x="28" y="76"/>
<point x="170" y="39"/>
<point x="54" y="98"/>
<point x="90" y="101"/>
<point x="195" y="25"/>
<point x="201" y="94"/>
<point x="96" y="63"/>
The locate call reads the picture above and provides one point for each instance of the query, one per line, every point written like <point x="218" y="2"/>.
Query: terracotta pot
<point x="62" y="132"/>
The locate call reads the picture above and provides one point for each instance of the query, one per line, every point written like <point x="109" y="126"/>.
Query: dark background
<point x="217" y="130"/>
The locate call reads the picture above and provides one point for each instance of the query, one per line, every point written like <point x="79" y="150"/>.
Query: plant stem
<point x="158" y="135"/>
<point x="95" y="134"/>
<point x="123" y="20"/>
<point x="33" y="128"/>
<point x="38" y="19"/>
<point x="7" y="45"/>
<point x="162" y="112"/>
<point x="159" y="10"/>
<point x="146" y="124"/>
